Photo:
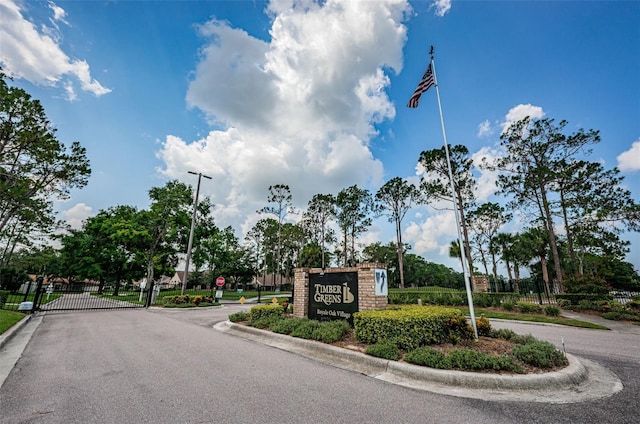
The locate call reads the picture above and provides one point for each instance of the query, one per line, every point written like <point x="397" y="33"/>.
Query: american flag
<point x="424" y="84"/>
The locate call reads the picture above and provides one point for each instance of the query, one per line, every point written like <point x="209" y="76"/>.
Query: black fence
<point x="39" y="296"/>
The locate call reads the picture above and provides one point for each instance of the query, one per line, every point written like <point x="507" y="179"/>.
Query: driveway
<point x="170" y="366"/>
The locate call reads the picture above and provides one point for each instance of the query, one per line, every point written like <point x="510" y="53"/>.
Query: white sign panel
<point x="382" y="284"/>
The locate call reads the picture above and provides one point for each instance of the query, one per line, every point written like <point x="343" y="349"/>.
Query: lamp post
<point x="193" y="225"/>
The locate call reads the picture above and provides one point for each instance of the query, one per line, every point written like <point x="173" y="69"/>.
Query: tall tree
<point x="279" y="200"/>
<point x="35" y="167"/>
<point x="262" y="239"/>
<point x="107" y="248"/>
<point x="436" y="184"/>
<point x="205" y="240"/>
<point x="485" y="221"/>
<point x="535" y="151"/>
<point x="502" y="243"/>
<point x="534" y="243"/>
<point x="354" y="207"/>
<point x="167" y="224"/>
<point x="386" y="254"/>
<point x="395" y="198"/>
<point x="595" y="209"/>
<point x="320" y="212"/>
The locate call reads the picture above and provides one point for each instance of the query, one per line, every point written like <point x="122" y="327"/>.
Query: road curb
<point x="580" y="381"/>
<point x="7" y="335"/>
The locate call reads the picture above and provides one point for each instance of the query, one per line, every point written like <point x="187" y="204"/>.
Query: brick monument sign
<point x="337" y="293"/>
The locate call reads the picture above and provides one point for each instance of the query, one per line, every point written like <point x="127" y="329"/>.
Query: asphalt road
<point x="170" y="366"/>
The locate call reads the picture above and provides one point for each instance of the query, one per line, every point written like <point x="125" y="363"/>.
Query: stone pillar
<point x="480" y="283"/>
<point x="301" y="293"/>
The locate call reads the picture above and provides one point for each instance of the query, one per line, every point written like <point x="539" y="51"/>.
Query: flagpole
<point x="465" y="263"/>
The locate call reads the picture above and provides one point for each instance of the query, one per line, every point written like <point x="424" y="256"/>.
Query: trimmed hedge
<point x="529" y="308"/>
<point x="482" y="300"/>
<point x="239" y="316"/>
<point x="410" y="327"/>
<point x="265" y="311"/>
<point x="575" y="298"/>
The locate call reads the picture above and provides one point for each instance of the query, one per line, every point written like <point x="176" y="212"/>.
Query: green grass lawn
<point x="226" y="294"/>
<point x="515" y="316"/>
<point x="132" y="297"/>
<point x="8" y="319"/>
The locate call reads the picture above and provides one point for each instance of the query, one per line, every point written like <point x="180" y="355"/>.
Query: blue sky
<point x="313" y="95"/>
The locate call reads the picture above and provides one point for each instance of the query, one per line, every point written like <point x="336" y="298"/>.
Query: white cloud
<point x="59" y="14"/>
<point x="432" y="234"/>
<point x="37" y="56"/>
<point x="629" y="161"/>
<point x="486" y="181"/>
<point x="520" y="112"/>
<point x="441" y="6"/>
<point x="299" y="109"/>
<point x="77" y="214"/>
<point x="484" y="129"/>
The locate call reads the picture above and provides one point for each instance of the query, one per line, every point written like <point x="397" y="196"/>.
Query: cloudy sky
<point x="312" y="93"/>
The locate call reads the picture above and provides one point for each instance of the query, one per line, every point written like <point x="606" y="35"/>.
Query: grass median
<point x="8" y="319"/>
<point x="515" y="316"/>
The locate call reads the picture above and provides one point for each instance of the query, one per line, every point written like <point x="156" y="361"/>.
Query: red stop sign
<point x="220" y="281"/>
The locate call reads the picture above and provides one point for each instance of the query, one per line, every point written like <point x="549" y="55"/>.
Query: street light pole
<point x="193" y="225"/>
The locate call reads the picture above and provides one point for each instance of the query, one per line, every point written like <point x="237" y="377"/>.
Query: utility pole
<point x="193" y="226"/>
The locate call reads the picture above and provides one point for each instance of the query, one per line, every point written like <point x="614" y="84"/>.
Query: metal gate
<point x="87" y="296"/>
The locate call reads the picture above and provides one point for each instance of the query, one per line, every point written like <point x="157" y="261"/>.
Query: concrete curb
<point x="7" y="335"/>
<point x="580" y="381"/>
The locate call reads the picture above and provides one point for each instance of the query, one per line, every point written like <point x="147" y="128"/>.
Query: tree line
<point x="575" y="210"/>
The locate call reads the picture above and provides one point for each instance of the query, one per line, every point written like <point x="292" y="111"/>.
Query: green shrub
<point x="482" y="300"/>
<point x="527" y="308"/>
<point x="176" y="300"/>
<point x="586" y="284"/>
<point x="472" y="360"/>
<point x="634" y="304"/>
<point x="468" y="359"/>
<point x="508" y="306"/>
<point x="552" y="310"/>
<point x="622" y="316"/>
<point x="4" y="295"/>
<point x="286" y="326"/>
<point x="512" y="336"/>
<point x="411" y="326"/>
<point x="540" y="354"/>
<point x="239" y="316"/>
<point x="564" y="303"/>
<point x="404" y="298"/>
<point x="264" y="311"/>
<point x="586" y="304"/>
<point x="331" y="331"/>
<point x="502" y="333"/>
<point x="576" y="298"/>
<point x="264" y="322"/>
<point x="179" y="305"/>
<point x="385" y="349"/>
<point x="428" y="357"/>
<point x="483" y="326"/>
<point x="305" y="330"/>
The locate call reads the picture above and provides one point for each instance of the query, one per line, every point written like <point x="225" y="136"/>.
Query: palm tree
<point x="535" y="242"/>
<point x="456" y="252"/>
